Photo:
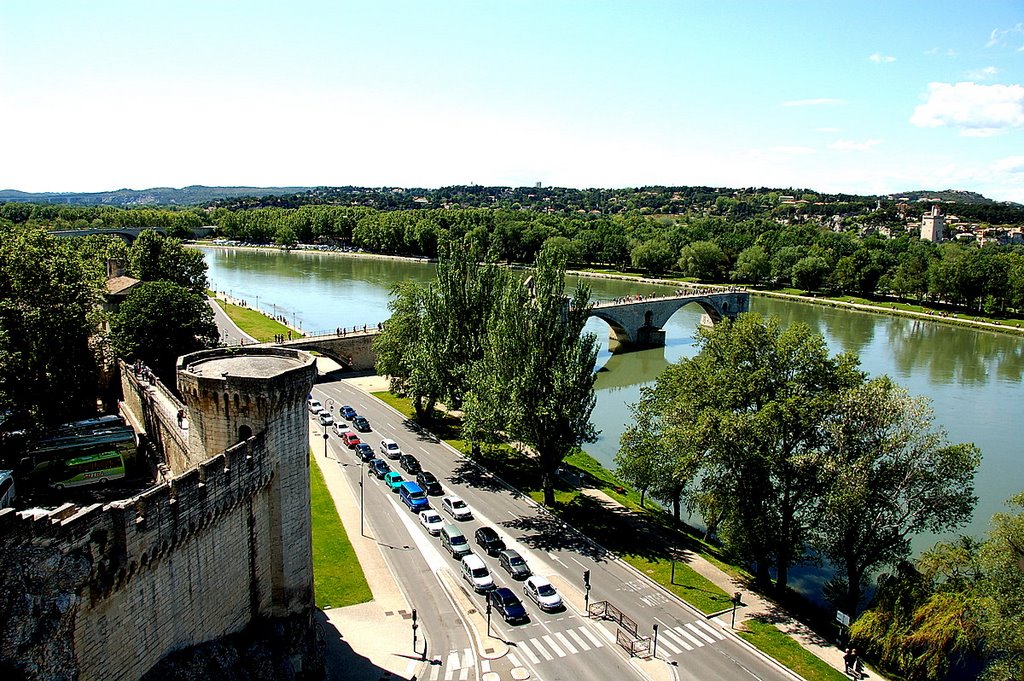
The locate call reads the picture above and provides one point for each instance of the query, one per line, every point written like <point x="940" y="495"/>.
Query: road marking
<point x="453" y="660"/>
<point x="464" y="674"/>
<point x="593" y="639"/>
<point x="565" y="642"/>
<point x="714" y="632"/>
<point x="435" y="671"/>
<point x="514" y="660"/>
<point x="554" y="646"/>
<point x="467" y="658"/>
<point x="578" y="563"/>
<point x="673" y="636"/>
<point x="693" y="639"/>
<point x="556" y="558"/>
<point x="540" y="649"/>
<point x="485" y="665"/>
<point x="664" y="642"/>
<point x="579" y="641"/>
<point x="529" y="653"/>
<point x="695" y="629"/>
<point x="449" y="674"/>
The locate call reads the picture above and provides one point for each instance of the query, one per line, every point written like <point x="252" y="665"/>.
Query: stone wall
<point x="154" y="408"/>
<point x="358" y="346"/>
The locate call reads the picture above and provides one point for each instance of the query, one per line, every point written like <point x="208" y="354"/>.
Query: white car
<point x="432" y="521"/>
<point x="314" y="407"/>
<point x="456" y="507"/>
<point x="325" y="418"/>
<point x="340" y="427"/>
<point x="539" y="590"/>
<point x="390" y="449"/>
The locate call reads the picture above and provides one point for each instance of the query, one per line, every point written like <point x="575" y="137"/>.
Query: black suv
<point x="410" y="464"/>
<point x="489" y="541"/>
<point x="429" y="483"/>
<point x="380" y="468"/>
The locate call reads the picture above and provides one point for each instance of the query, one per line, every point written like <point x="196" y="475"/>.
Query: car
<point x="429" y="483"/>
<point x="390" y="449"/>
<point x="508" y="605"/>
<point x="347" y="412"/>
<point x="350" y="440"/>
<point x="379" y="468"/>
<point x="394" y="480"/>
<point x="410" y="464"/>
<point x="325" y="418"/>
<point x="514" y="564"/>
<point x="456" y="508"/>
<point x="360" y="423"/>
<point x="365" y="451"/>
<point x="539" y="590"/>
<point x="314" y="407"/>
<point x="431" y="520"/>
<point x="487" y="539"/>
<point x="340" y="427"/>
<point x="475" y="572"/>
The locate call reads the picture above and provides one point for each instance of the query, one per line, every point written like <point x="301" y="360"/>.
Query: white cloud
<point x="986" y="73"/>
<point x="853" y="145"/>
<point x="879" y="58"/>
<point x="1001" y="35"/>
<point x="1010" y="164"/>
<point x="818" y="101"/>
<point x="978" y="110"/>
<point x="936" y="52"/>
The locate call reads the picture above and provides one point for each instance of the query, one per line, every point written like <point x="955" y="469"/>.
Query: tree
<point x="154" y="257"/>
<point x="655" y="256"/>
<point x="535" y="382"/>
<point x="285" y="237"/>
<point x="809" y="273"/>
<point x="160" y="321"/>
<point x="1002" y="619"/>
<point x="752" y="266"/>
<point x="892" y="476"/>
<point x="703" y="260"/>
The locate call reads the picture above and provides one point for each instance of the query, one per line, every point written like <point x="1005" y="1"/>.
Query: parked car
<point x="429" y="483"/>
<point x="390" y="449"/>
<point x="410" y="464"/>
<point x="380" y="468"/>
<point x="350" y="440"/>
<point x="314" y="407"/>
<point x="514" y="564"/>
<point x="325" y="418"/>
<point x="361" y="424"/>
<point x="364" y="451"/>
<point x="432" y="521"/>
<point x="539" y="590"/>
<point x="456" y="508"/>
<point x="508" y="605"/>
<point x="489" y="541"/>
<point x="347" y="412"/>
<point x="394" y="480"/>
<point x="340" y="427"/>
<point x="476" y="573"/>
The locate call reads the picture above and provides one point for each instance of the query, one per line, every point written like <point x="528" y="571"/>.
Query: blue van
<point x="413" y="496"/>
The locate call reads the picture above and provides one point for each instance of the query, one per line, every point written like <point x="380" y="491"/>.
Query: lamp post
<point x="325" y="441"/>
<point x="654" y="650"/>
<point x="414" y="627"/>
<point x="488" y="616"/>
<point x="361" y="533"/>
<point x="586" y="594"/>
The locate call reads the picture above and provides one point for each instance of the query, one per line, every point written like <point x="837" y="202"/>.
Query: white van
<point x="475" y="572"/>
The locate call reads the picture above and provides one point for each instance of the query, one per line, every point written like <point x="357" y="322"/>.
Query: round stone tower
<point x="234" y="394"/>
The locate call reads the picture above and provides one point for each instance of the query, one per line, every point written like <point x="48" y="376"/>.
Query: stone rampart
<point x="156" y="409"/>
<point x="353" y="350"/>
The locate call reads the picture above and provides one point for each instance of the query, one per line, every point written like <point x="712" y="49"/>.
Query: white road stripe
<point x="565" y="642"/>
<point x="670" y="634"/>
<point x="514" y="660"/>
<point x="453" y="660"/>
<point x="467" y="658"/>
<point x="695" y="629"/>
<point x="664" y="642"/>
<point x="593" y="639"/>
<point x="554" y="646"/>
<point x="714" y="632"/>
<point x="435" y="671"/>
<point x="693" y="639"/>
<point x="529" y="653"/>
<point x="449" y="674"/>
<point x="485" y="666"/>
<point x="540" y="649"/>
<point x="464" y="674"/>
<point x="579" y="641"/>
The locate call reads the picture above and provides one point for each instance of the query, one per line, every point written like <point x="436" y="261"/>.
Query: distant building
<point x="932" y="225"/>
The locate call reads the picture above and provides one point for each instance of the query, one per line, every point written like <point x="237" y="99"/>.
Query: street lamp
<point x="361" y="532"/>
<point x="325" y="441"/>
<point x="488" y="616"/>
<point x="654" y="651"/>
<point x="414" y="627"/>
<point x="586" y="595"/>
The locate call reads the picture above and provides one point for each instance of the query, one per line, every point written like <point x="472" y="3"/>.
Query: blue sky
<point x="860" y="97"/>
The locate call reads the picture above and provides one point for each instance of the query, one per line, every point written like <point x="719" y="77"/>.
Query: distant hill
<point x="195" y="195"/>
<point x="949" y="195"/>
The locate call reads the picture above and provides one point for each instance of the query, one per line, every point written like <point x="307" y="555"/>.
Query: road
<point x="230" y="334"/>
<point x="553" y="647"/>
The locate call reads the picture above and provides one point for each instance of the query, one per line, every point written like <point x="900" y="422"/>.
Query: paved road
<point x="230" y="334"/>
<point x="553" y="647"/>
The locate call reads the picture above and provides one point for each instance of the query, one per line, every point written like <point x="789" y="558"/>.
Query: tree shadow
<point x="546" y="532"/>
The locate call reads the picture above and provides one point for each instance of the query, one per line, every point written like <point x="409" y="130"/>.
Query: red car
<point x="350" y="439"/>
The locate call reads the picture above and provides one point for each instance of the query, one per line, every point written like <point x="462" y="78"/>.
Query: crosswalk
<point x="689" y="636"/>
<point x="547" y="647"/>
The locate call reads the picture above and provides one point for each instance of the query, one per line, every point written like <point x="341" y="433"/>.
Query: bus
<point x="44" y="461"/>
<point x="7" y="492"/>
<point x="89" y="469"/>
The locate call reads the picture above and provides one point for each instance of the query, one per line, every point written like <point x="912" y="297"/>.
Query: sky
<point x="858" y="97"/>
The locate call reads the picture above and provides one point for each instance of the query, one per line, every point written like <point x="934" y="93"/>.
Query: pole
<point x="673" y="579"/>
<point x="488" y="616"/>
<point x="414" y="627"/>
<point x="586" y="593"/>
<point x="325" y="441"/>
<point x="735" y="602"/>
<point x="654" y="651"/>
<point x="361" y="532"/>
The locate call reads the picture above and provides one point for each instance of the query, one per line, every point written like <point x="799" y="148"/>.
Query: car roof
<point x="430" y="510"/>
<point x="428" y="476"/>
<point x="537" y="580"/>
<point x="411" y="487"/>
<point x="452" y="498"/>
<point x="487" y="531"/>
<point x="511" y="553"/>
<point x="504" y="592"/>
<point x="388" y="441"/>
<point x="473" y="561"/>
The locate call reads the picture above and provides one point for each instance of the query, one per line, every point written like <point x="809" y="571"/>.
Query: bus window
<point x="89" y="469"/>
<point x="6" y="489"/>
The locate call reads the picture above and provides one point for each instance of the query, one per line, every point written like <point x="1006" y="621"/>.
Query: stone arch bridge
<point x="637" y="322"/>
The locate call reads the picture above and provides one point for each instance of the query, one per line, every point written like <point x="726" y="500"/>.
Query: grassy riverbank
<point x="255" y="323"/>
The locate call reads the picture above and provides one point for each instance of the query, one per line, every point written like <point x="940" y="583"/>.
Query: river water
<point x="972" y="377"/>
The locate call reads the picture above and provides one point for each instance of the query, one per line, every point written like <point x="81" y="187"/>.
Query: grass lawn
<point x="256" y="324"/>
<point x="689" y="585"/>
<point x="776" y="644"/>
<point x="337" y="578"/>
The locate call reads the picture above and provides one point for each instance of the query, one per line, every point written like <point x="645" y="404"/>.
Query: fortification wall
<point x="129" y="582"/>
<point x="156" y="408"/>
<point x="358" y="346"/>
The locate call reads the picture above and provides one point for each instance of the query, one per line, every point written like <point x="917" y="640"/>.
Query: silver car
<point x="539" y="590"/>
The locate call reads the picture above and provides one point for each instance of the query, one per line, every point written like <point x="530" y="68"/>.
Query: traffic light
<point x="414" y="615"/>
<point x="586" y="577"/>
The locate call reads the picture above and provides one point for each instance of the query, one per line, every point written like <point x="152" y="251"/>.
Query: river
<point x="972" y="377"/>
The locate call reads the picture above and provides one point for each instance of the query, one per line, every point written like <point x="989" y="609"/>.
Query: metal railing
<point x="636" y="646"/>
<point x="607" y="611"/>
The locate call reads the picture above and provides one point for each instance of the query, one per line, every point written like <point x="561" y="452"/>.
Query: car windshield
<point x="392" y="446"/>
<point x="458" y="539"/>
<point x="480" y="572"/>
<point x="508" y="599"/>
<point x="458" y="503"/>
<point x="546" y="590"/>
<point x="432" y="518"/>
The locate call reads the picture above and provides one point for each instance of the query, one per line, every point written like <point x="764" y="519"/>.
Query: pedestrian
<point x="848" y="660"/>
<point x="181" y="418"/>
<point x="289" y="334"/>
<point x="856" y="666"/>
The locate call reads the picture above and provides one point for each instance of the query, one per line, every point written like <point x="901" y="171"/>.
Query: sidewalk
<point x="753" y="605"/>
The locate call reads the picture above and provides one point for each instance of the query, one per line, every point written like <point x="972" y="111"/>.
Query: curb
<point x="471" y="615"/>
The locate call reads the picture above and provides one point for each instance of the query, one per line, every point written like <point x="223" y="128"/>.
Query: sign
<point x="842" y="618"/>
